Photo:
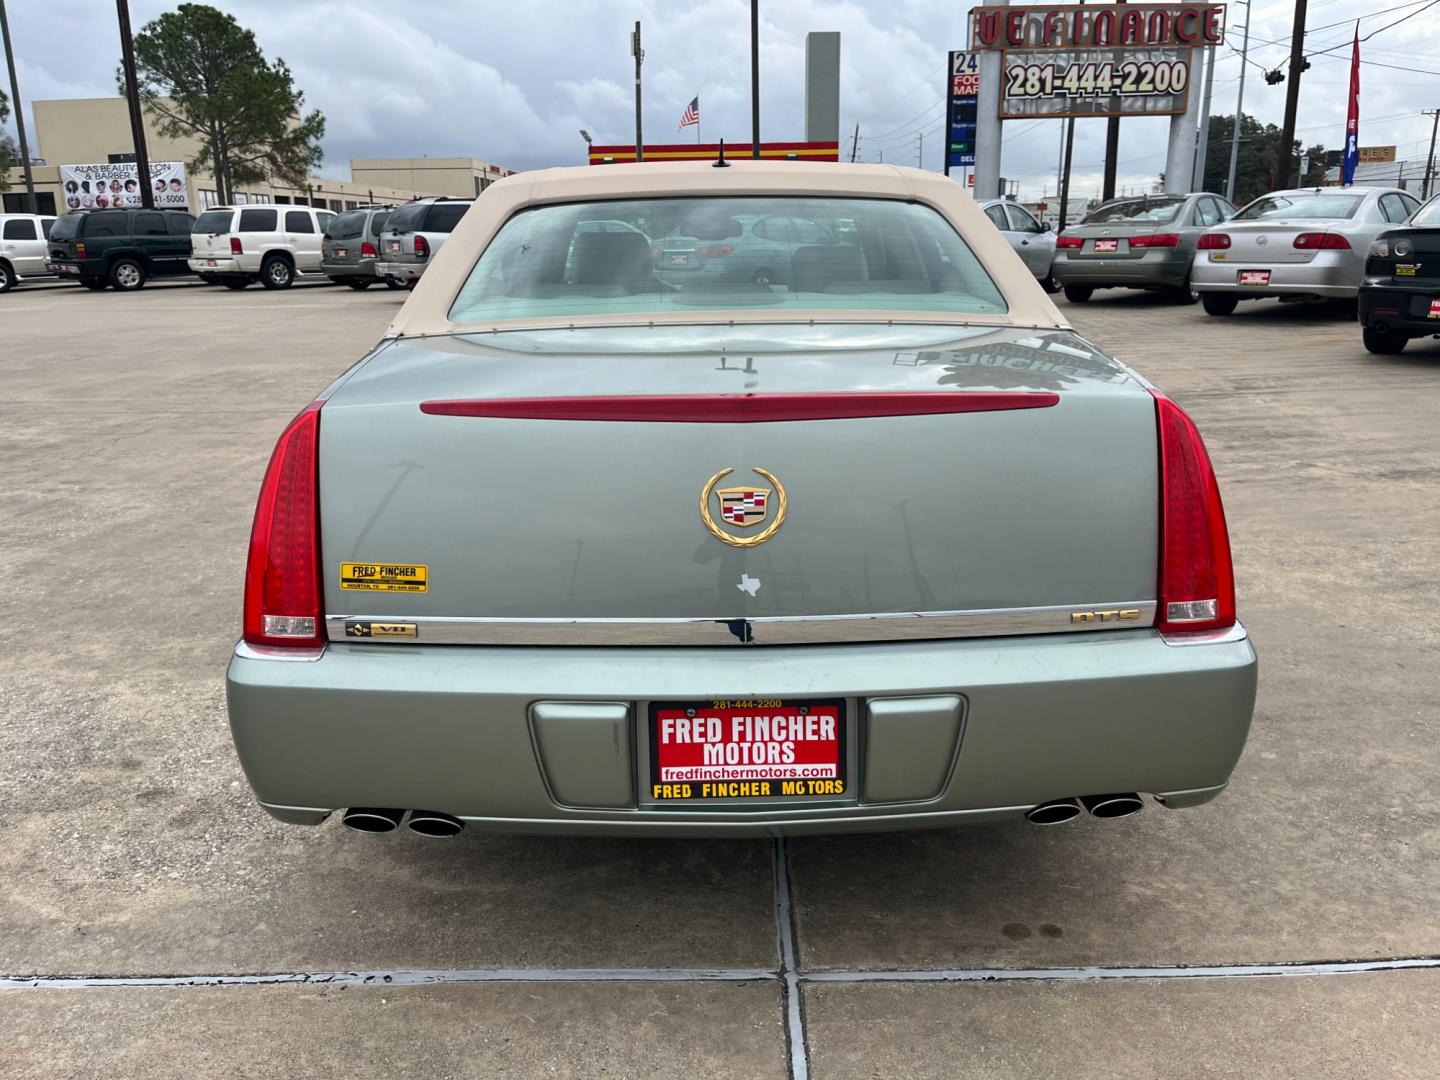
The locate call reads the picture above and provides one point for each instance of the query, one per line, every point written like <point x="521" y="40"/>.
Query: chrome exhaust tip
<point x="372" y="819"/>
<point x="1054" y="812"/>
<point x="434" y="823"/>
<point x="1112" y="806"/>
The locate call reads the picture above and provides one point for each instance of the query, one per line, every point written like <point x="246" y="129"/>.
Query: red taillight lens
<point x="1213" y="241"/>
<point x="1314" y="241"/>
<point x="282" y="575"/>
<point x="1197" y="581"/>
<point x="80" y="249"/>
<point x="714" y="251"/>
<point x="422" y="247"/>
<point x="236" y="248"/>
<point x="1063" y="241"/>
<point x="1159" y="239"/>
<point x="367" y="250"/>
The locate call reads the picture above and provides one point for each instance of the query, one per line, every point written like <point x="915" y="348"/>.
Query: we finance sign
<point x="1097" y="26"/>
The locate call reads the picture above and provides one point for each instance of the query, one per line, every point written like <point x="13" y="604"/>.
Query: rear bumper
<point x="218" y="266"/>
<point x="362" y="268"/>
<point x="1154" y="270"/>
<point x="404" y="271"/>
<point x="454" y="728"/>
<point x="1330" y="274"/>
<point x="1397" y="308"/>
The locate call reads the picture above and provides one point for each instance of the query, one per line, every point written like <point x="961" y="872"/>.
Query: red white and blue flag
<point x="1352" y="118"/>
<point x="691" y="115"/>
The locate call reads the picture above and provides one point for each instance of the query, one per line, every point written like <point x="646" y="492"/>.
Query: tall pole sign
<point x="962" y="110"/>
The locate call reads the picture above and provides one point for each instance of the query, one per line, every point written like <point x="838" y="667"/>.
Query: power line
<point x="1378" y="30"/>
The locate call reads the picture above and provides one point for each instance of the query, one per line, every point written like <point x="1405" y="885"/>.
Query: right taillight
<point x="282" y="574"/>
<point x="422" y="247"/>
<point x="367" y="250"/>
<point x="1063" y="241"/>
<point x="236" y="248"/>
<point x="1197" y="580"/>
<point x="1213" y="241"/>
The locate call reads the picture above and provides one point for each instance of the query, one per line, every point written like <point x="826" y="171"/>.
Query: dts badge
<point x="743" y="508"/>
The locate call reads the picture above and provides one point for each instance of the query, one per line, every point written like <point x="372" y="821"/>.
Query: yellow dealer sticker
<point x="384" y="577"/>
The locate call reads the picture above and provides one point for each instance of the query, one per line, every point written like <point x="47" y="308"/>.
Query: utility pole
<point x="1239" y="101"/>
<point x="1065" y="172"/>
<point x="855" y="142"/>
<point x="1434" y="115"/>
<point x="639" y="54"/>
<point x="19" y="114"/>
<point x="1202" y="146"/>
<point x="1292" y="93"/>
<point x="754" y="78"/>
<point x="920" y="150"/>
<point x="137" y="118"/>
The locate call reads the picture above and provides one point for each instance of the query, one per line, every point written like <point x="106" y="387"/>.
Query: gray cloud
<point x="513" y="82"/>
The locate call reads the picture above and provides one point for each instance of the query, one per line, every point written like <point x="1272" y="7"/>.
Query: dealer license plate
<point x="394" y="247"/>
<point x="211" y="262"/>
<point x="764" y="748"/>
<point x="1254" y="277"/>
<point x="341" y="253"/>
<point x="1107" y="245"/>
<point x="1434" y="310"/>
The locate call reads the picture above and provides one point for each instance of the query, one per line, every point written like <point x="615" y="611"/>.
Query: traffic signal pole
<point x="1292" y="95"/>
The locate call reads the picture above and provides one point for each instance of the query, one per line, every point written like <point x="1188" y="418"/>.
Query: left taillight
<point x="1197" y="579"/>
<point x="282" y="574"/>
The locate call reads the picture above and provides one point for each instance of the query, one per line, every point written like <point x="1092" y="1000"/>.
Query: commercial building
<point x="89" y="131"/>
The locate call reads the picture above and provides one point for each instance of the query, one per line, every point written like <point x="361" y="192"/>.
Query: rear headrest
<point x="816" y="267"/>
<point x="619" y="258"/>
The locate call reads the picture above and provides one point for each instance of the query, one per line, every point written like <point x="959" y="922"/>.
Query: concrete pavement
<point x="133" y="432"/>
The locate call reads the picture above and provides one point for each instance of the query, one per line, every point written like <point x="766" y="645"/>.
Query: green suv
<point x="122" y="248"/>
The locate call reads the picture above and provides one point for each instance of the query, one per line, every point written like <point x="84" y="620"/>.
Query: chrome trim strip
<point x="1228" y="636"/>
<point x="246" y="651"/>
<point x="762" y="630"/>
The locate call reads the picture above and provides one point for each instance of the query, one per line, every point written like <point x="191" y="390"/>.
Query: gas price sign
<point x="962" y="109"/>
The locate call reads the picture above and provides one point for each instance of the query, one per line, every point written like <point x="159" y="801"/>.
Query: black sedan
<point x="1400" y="296"/>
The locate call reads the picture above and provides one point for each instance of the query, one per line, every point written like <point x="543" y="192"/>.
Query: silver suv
<point x="350" y="249"/>
<point x="414" y="233"/>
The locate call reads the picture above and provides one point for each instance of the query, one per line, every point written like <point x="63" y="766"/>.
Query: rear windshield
<point x="351" y="223"/>
<point x="407" y="218"/>
<point x="1300" y="205"/>
<point x="443" y="217"/>
<point x="67" y="227"/>
<point x="657" y="255"/>
<point x="1429" y="214"/>
<point x="214" y="222"/>
<point x="1145" y="210"/>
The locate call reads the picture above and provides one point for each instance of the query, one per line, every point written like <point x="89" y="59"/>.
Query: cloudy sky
<point x="512" y="82"/>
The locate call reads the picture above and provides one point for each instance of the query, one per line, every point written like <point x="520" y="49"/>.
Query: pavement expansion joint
<point x="792" y="992"/>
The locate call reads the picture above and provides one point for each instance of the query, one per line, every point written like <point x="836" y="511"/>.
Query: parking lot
<point x="134" y="429"/>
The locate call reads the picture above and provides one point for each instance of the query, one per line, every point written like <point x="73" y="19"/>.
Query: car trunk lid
<point x="513" y="516"/>
<point x="1272" y="242"/>
<point x="1115" y="241"/>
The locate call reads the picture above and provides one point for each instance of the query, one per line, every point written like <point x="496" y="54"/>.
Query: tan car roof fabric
<point x="427" y="309"/>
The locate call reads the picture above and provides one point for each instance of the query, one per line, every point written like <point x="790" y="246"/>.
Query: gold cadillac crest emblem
<point x="743" y="508"/>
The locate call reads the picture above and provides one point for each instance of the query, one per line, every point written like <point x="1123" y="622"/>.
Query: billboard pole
<point x="754" y="78"/>
<point x="989" y="129"/>
<point x="137" y="118"/>
<point x="639" y="54"/>
<point x="19" y="114"/>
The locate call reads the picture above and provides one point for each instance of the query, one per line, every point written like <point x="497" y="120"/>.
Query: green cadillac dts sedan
<point x="594" y="541"/>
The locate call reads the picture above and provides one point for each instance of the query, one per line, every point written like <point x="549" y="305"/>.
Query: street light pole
<point x="1239" y="103"/>
<point x="137" y="118"/>
<point x="639" y="54"/>
<point x="1430" y="157"/>
<point x="588" y="142"/>
<point x="754" y="78"/>
<point x="19" y="114"/>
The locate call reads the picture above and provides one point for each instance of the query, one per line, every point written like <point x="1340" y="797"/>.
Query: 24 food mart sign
<point x="1096" y="59"/>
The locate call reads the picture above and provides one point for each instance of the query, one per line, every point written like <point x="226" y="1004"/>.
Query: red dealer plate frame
<point x="818" y="769"/>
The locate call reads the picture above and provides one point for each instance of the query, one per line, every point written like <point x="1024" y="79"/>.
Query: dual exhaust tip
<point x="1059" y="811"/>
<point x="374" y="819"/>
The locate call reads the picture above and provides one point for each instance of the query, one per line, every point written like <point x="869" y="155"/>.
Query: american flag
<point x="691" y="115"/>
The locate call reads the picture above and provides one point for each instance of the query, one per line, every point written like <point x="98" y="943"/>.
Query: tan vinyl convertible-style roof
<point x="427" y="310"/>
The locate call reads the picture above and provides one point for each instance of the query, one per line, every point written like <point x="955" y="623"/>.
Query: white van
<point x="271" y="244"/>
<point x="24" y="250"/>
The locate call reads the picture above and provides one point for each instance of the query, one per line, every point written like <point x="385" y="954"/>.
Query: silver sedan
<point x="1032" y="239"/>
<point x="1303" y="244"/>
